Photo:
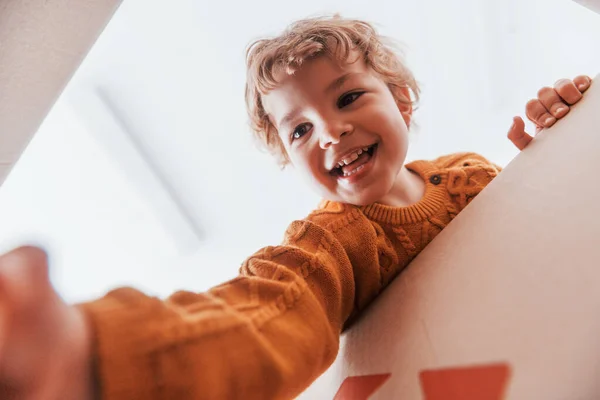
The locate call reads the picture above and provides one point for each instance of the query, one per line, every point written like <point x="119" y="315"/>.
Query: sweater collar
<point x="432" y="200"/>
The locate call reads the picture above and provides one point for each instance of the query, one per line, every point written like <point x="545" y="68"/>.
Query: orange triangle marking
<point x="485" y="382"/>
<point x="360" y="387"/>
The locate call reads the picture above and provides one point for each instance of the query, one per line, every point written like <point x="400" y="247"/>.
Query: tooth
<point x="352" y="157"/>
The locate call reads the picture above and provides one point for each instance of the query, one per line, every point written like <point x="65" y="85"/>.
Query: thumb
<point x="517" y="133"/>
<point x="23" y="280"/>
<point x="23" y="275"/>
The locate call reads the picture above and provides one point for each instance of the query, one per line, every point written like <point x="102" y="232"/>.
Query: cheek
<point x="309" y="162"/>
<point x="302" y="158"/>
<point x="395" y="122"/>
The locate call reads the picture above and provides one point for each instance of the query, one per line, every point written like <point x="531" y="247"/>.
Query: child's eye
<point x="348" y="99"/>
<point x="300" y="131"/>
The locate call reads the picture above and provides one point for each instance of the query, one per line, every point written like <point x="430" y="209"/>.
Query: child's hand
<point x="551" y="105"/>
<point x="44" y="343"/>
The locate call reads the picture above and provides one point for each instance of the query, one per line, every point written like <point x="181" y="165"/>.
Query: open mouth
<point x="354" y="163"/>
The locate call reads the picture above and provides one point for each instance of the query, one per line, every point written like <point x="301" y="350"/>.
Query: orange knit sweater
<point x="270" y="332"/>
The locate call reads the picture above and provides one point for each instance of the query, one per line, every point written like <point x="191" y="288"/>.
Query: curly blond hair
<point x="307" y="39"/>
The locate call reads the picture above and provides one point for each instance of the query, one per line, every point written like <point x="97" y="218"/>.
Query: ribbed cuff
<point x="123" y="344"/>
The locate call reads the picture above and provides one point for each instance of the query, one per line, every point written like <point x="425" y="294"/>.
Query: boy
<point x="330" y="98"/>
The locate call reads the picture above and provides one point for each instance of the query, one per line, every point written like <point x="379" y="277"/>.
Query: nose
<point x="332" y="133"/>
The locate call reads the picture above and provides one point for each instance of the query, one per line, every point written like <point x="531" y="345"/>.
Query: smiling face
<point x="342" y="129"/>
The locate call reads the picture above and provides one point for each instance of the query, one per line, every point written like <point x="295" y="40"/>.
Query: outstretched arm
<point x="266" y="334"/>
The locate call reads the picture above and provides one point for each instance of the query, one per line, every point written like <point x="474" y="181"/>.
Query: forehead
<point x="311" y="81"/>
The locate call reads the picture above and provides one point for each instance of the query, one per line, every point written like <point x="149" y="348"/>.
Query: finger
<point x="30" y="259"/>
<point x="567" y="90"/>
<point x="24" y="297"/>
<point x="517" y="134"/>
<point x="582" y="82"/>
<point x="553" y="103"/>
<point x="24" y="275"/>
<point x="538" y="114"/>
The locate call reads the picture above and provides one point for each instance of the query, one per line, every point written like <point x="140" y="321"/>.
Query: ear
<point x="403" y="93"/>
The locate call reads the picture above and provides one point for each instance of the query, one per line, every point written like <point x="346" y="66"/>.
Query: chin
<point x="370" y="193"/>
<point x="365" y="198"/>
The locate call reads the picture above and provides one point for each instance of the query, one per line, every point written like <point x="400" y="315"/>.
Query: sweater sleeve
<point x="266" y="334"/>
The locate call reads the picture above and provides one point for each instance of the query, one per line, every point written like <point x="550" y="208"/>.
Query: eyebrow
<point x="333" y="86"/>
<point x="288" y="117"/>
<point x="339" y="82"/>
